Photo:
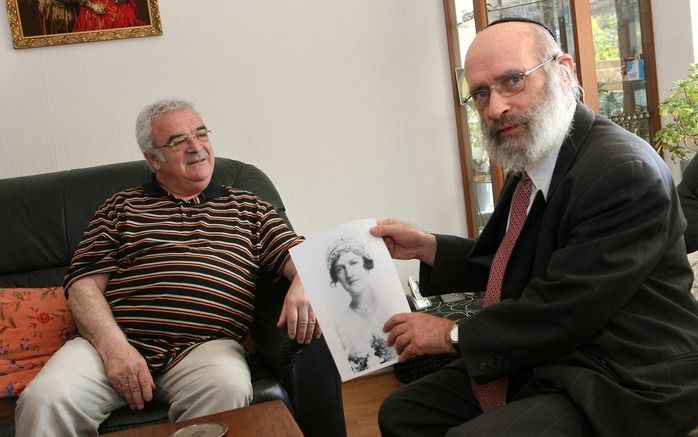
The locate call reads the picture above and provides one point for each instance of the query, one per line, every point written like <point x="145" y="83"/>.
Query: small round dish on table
<point x="209" y="429"/>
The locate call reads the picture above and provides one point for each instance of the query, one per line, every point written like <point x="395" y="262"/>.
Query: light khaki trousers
<point x="71" y="395"/>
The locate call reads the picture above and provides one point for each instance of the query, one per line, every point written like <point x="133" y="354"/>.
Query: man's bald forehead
<point x="503" y="37"/>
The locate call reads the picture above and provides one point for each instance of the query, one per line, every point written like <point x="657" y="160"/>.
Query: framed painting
<point x="39" y="23"/>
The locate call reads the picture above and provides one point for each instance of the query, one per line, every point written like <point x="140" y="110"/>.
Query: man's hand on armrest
<point x="297" y="314"/>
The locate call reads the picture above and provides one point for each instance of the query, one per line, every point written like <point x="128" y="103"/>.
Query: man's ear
<point x="153" y="161"/>
<point x="567" y="62"/>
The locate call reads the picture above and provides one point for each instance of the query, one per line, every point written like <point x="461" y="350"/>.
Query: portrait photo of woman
<point x="360" y="325"/>
<point x="354" y="288"/>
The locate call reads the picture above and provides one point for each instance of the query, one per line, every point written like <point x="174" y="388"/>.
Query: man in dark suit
<point x="592" y="330"/>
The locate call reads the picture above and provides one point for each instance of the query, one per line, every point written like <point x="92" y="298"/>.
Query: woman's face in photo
<point x="351" y="273"/>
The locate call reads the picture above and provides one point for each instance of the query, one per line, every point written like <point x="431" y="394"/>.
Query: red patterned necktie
<point x="493" y="394"/>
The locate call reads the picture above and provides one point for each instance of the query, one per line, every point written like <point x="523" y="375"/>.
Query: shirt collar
<point x="153" y="188"/>
<point x="541" y="174"/>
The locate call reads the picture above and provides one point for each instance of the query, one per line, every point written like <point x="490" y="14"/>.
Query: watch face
<point x="454" y="334"/>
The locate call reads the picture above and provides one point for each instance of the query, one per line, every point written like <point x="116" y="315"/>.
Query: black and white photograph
<point x="354" y="288"/>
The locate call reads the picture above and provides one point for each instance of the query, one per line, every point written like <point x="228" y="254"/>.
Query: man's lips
<point x="198" y="161"/>
<point x="510" y="130"/>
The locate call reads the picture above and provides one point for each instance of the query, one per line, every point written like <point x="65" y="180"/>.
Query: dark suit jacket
<point x="688" y="193"/>
<point x="595" y="300"/>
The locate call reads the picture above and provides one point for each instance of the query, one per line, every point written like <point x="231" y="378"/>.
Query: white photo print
<point x="354" y="288"/>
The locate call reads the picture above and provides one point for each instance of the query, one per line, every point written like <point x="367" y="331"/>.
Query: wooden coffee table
<point x="267" y="419"/>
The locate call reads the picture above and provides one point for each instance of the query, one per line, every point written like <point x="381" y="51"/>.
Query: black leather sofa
<point x="42" y="220"/>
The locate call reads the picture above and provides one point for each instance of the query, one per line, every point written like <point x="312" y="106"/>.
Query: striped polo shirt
<point x="181" y="272"/>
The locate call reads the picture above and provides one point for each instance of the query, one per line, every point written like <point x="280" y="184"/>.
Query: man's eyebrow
<point x="472" y="87"/>
<point x="507" y="73"/>
<point x="510" y="72"/>
<point x="175" y="136"/>
<point x="472" y="90"/>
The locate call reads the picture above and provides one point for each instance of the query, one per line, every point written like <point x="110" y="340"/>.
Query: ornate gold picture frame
<point x="39" y="23"/>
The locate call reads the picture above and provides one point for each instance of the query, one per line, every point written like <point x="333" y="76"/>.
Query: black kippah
<point x="522" y="20"/>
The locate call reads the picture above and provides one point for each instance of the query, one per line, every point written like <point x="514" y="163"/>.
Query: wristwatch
<point x="453" y="335"/>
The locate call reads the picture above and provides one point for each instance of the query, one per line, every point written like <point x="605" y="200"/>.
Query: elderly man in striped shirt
<point x="162" y="288"/>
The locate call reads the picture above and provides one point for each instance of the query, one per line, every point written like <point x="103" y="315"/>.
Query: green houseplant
<point x="680" y="136"/>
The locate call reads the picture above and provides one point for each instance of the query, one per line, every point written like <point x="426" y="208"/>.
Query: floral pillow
<point x="34" y="323"/>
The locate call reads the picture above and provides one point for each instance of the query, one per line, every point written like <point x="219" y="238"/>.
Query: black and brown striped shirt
<point x="181" y="273"/>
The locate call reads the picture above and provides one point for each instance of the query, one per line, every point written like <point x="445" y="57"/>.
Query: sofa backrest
<point x="44" y="216"/>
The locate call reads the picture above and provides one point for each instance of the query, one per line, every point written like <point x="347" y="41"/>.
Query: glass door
<point x="480" y="178"/>
<point x="620" y="64"/>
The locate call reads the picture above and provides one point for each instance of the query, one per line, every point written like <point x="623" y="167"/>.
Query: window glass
<point x="620" y="65"/>
<point x="481" y="179"/>
<point x="555" y="14"/>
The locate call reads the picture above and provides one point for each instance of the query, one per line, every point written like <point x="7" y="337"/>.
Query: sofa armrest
<point x="315" y="389"/>
<point x="307" y="372"/>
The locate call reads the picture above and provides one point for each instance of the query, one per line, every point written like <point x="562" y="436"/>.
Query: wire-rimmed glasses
<point x="180" y="141"/>
<point x="506" y="85"/>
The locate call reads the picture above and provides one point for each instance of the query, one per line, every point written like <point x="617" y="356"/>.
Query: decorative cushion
<point x="34" y="323"/>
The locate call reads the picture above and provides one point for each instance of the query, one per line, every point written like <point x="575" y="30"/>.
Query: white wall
<point x="675" y="24"/>
<point x="346" y="104"/>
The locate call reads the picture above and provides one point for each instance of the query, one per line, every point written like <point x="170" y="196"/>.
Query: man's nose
<point x="498" y="106"/>
<point x="194" y="145"/>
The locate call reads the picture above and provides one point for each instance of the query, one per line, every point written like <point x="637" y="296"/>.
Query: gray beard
<point x="548" y="122"/>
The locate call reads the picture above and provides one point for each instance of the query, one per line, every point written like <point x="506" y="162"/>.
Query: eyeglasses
<point x="506" y="85"/>
<point x="180" y="141"/>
